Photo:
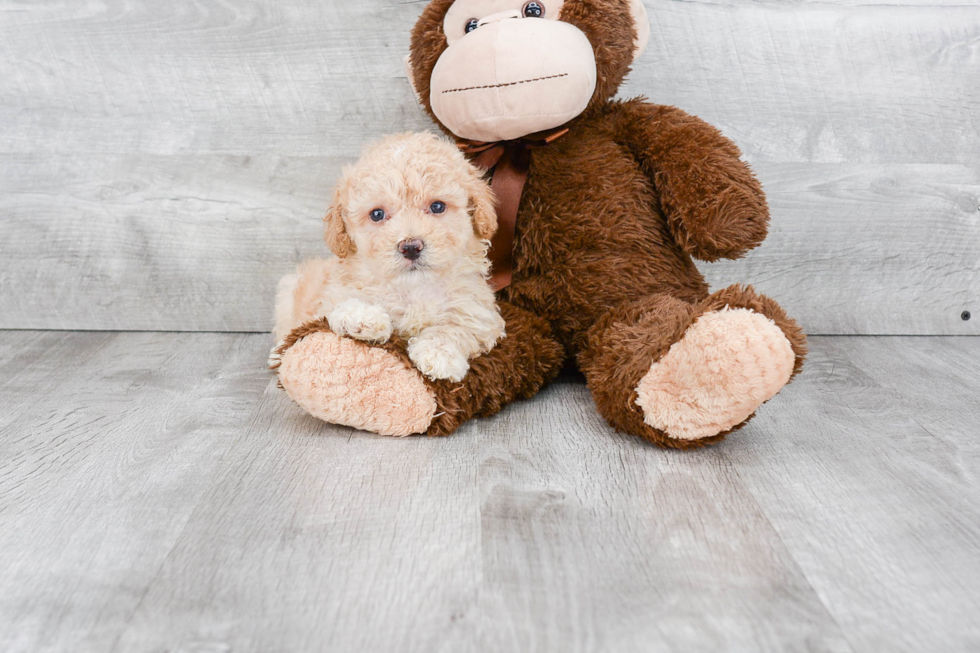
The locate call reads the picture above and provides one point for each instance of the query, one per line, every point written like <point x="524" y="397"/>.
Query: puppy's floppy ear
<point x="483" y="204"/>
<point x="335" y="231"/>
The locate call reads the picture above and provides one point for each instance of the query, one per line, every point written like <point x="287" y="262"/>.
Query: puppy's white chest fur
<point x="417" y="302"/>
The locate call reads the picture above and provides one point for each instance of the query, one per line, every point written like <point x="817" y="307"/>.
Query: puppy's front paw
<point x="438" y="360"/>
<point x="362" y="321"/>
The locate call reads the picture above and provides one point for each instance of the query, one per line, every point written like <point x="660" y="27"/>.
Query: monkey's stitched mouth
<point x="523" y="81"/>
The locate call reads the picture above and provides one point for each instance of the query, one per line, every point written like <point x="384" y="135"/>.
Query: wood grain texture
<point x="107" y="445"/>
<point x="868" y="249"/>
<point x="149" y="242"/>
<point x="162" y="164"/>
<point x="593" y="541"/>
<point x="879" y="426"/>
<point x="817" y="82"/>
<point x="199" y="242"/>
<point x="157" y="492"/>
<point x="789" y="81"/>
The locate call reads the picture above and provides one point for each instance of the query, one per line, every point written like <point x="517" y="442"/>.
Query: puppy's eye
<point x="437" y="207"/>
<point x="378" y="215"/>
<point x="471" y="25"/>
<point x="533" y="10"/>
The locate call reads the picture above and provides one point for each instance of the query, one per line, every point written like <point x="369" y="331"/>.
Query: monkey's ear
<point x="411" y="74"/>
<point x="335" y="231"/>
<point x="484" y="208"/>
<point x="641" y="23"/>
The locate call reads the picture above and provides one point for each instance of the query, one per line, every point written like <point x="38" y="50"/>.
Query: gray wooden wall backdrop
<point x="162" y="163"/>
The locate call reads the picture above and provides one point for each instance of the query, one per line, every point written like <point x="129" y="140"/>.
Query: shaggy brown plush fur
<point x="610" y="217"/>
<point x="612" y="214"/>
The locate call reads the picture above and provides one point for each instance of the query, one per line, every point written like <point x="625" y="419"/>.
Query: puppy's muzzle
<point x="411" y="249"/>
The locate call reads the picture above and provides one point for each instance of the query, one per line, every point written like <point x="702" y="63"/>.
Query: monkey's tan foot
<point x="726" y="365"/>
<point x="345" y="382"/>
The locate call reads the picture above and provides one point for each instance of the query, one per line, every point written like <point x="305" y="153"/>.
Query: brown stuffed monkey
<point x="611" y="200"/>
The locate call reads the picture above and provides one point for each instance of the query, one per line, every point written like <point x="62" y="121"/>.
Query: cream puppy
<point x="410" y="226"/>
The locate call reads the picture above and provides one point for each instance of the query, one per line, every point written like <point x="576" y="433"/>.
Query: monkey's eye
<point x="378" y="215"/>
<point x="437" y="207"/>
<point x="471" y="25"/>
<point x="533" y="10"/>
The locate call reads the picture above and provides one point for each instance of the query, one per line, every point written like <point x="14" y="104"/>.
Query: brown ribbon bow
<point x="509" y="162"/>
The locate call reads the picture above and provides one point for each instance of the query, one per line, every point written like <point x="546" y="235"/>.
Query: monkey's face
<point x="511" y="68"/>
<point x="492" y="70"/>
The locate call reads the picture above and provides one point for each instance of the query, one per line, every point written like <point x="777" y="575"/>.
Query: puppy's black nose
<point x="411" y="249"/>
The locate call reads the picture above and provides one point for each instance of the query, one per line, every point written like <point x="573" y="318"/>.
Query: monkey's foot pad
<point x="728" y="363"/>
<point x="345" y="382"/>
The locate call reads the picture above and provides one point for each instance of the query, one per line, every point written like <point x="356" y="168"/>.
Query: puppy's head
<point x="412" y="202"/>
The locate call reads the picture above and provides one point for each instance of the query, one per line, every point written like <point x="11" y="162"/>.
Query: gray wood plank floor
<point x="158" y="493"/>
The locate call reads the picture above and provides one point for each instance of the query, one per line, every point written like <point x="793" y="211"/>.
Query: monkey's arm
<point x="713" y="203"/>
